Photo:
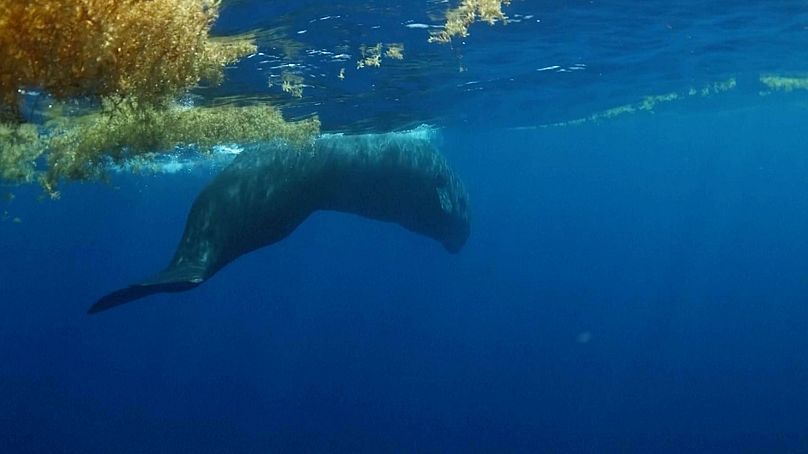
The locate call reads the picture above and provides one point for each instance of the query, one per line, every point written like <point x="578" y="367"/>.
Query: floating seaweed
<point x="132" y="59"/>
<point x="459" y="19"/>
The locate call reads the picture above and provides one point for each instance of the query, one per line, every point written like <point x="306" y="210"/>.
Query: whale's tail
<point x="170" y="280"/>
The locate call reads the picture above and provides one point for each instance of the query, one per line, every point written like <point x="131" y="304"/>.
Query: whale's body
<point x="271" y="188"/>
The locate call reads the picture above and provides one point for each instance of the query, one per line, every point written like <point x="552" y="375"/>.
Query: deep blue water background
<point x="632" y="285"/>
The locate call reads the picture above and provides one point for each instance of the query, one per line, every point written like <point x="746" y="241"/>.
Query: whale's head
<point x="452" y="229"/>
<point x="440" y="210"/>
<point x="395" y="177"/>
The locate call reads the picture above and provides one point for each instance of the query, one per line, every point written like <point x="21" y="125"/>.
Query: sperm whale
<point x="271" y="188"/>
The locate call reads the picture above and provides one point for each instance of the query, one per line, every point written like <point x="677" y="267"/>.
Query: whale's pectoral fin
<point x="171" y="280"/>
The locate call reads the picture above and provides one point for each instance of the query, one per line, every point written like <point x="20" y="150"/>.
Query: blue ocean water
<point x="635" y="282"/>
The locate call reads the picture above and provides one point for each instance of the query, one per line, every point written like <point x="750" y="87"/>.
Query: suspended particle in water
<point x="583" y="337"/>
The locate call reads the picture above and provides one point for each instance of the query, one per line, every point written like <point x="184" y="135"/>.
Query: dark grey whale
<point x="271" y="188"/>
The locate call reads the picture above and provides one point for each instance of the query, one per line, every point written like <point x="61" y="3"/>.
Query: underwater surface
<point x="636" y="278"/>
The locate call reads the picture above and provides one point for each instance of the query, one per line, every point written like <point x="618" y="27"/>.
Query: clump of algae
<point x="80" y="149"/>
<point x="149" y="49"/>
<point x="459" y="19"/>
<point x="293" y="84"/>
<point x="372" y="55"/>
<point x="395" y="51"/>
<point x="784" y="83"/>
<point x="21" y="147"/>
<point x="650" y="102"/>
<point x="134" y="58"/>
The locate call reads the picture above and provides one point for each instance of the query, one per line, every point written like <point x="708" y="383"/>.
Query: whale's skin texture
<point x="271" y="188"/>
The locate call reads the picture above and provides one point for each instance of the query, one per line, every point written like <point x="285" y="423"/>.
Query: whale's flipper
<point x="171" y="280"/>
